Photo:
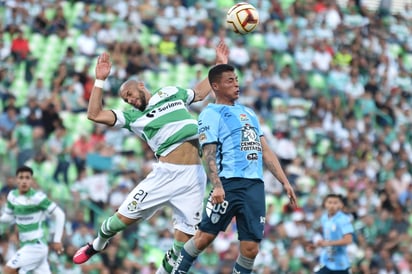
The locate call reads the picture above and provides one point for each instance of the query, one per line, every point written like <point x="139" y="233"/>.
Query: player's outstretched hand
<point x="222" y="53"/>
<point x="103" y="66"/>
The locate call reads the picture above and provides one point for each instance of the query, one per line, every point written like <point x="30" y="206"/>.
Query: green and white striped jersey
<point x="165" y="123"/>
<point x="29" y="211"/>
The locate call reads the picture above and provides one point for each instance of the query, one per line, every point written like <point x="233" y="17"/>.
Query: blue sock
<point x="183" y="262"/>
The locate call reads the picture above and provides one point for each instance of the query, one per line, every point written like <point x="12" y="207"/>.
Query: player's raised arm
<point x="203" y="88"/>
<point x="95" y="110"/>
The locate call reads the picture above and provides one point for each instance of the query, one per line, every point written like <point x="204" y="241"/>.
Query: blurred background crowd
<point x="331" y="81"/>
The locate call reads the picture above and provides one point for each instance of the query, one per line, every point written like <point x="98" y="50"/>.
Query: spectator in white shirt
<point x="332" y="16"/>
<point x="4" y="50"/>
<point x="275" y="39"/>
<point x="239" y="55"/>
<point x="177" y="14"/>
<point x="87" y="43"/>
<point x="304" y="56"/>
<point x="283" y="81"/>
<point x="354" y="88"/>
<point x="196" y="14"/>
<point x="322" y="58"/>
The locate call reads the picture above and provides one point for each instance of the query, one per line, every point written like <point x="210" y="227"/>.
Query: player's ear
<point x="214" y="86"/>
<point x="324" y="201"/>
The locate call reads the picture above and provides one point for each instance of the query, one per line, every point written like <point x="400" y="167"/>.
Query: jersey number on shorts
<point x="140" y="195"/>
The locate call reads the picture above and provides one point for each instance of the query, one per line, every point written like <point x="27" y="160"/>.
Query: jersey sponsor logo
<point x="25" y="218"/>
<point x="203" y="129"/>
<point x="161" y="94"/>
<point x="252" y="156"/>
<point x="250" y="139"/>
<point x="170" y="105"/>
<point x="243" y="117"/>
<point x="151" y="114"/>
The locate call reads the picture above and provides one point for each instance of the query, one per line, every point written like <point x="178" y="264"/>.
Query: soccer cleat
<point x="84" y="254"/>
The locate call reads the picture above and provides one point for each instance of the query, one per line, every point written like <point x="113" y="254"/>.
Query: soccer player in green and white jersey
<point x="178" y="179"/>
<point x="28" y="209"/>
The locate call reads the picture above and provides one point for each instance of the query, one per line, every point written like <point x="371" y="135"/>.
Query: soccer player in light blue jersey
<point x="337" y="230"/>
<point x="234" y="150"/>
<point x="178" y="179"/>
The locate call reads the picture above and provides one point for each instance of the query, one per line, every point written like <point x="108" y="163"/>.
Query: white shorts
<point x="182" y="187"/>
<point x="31" y="257"/>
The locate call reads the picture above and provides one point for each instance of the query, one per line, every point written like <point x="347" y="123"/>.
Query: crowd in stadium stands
<point x="332" y="83"/>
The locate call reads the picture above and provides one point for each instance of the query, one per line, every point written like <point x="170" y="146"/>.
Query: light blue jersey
<point x="236" y="131"/>
<point x="334" y="228"/>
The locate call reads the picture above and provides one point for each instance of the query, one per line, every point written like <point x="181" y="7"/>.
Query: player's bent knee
<point x="249" y="249"/>
<point x="182" y="236"/>
<point x="127" y="221"/>
<point x="203" y="240"/>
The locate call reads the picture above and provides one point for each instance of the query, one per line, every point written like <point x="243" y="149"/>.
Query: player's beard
<point x="143" y="101"/>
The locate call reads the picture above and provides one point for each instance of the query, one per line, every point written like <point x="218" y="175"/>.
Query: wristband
<point x="99" y="83"/>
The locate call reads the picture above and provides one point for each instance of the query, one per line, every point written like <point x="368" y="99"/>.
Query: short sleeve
<point x="208" y="127"/>
<point x="346" y="225"/>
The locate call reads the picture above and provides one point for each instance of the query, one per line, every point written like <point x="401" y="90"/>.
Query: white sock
<point x="161" y="270"/>
<point x="99" y="244"/>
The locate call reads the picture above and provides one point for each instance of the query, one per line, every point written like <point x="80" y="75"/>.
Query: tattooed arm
<point x="209" y="156"/>
<point x="272" y="163"/>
